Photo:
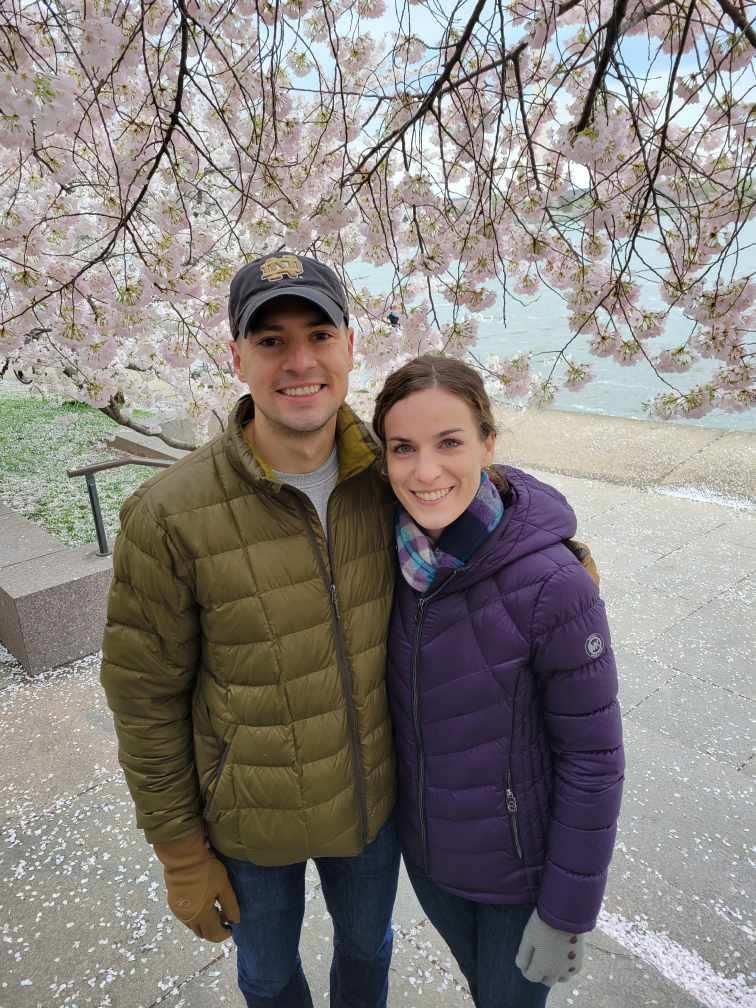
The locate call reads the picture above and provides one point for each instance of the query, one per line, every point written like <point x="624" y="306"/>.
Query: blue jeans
<point x="484" y="939"/>
<point x="359" y="893"/>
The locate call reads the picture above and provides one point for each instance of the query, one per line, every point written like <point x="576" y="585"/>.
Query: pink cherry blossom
<point x="577" y="375"/>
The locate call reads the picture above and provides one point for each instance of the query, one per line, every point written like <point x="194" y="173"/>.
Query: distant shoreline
<point x="707" y="463"/>
<point x="710" y="463"/>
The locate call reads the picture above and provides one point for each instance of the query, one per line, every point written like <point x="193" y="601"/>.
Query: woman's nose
<point x="426" y="467"/>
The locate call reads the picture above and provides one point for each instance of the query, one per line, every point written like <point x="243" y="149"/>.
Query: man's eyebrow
<point x="441" y="434"/>
<point x="277" y="327"/>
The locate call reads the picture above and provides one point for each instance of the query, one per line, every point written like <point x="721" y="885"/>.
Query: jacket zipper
<point x="511" y="796"/>
<point x="341" y="658"/>
<point x="512" y="810"/>
<point x="417" y="721"/>
<point x="418" y="735"/>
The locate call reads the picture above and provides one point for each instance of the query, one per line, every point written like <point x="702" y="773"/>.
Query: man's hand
<point x="196" y="880"/>
<point x="583" y="554"/>
<point x="547" y="955"/>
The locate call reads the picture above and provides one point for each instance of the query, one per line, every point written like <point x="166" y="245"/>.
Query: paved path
<point x="82" y="916"/>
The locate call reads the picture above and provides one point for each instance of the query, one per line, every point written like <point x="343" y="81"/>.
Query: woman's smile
<point x="432" y="496"/>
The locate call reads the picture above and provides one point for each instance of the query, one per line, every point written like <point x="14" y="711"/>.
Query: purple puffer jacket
<point x="503" y="692"/>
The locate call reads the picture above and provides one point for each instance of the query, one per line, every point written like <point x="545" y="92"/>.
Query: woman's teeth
<point x="432" y="495"/>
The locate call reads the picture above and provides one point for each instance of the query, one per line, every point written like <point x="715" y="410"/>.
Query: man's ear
<point x="234" y="349"/>
<point x="350" y="344"/>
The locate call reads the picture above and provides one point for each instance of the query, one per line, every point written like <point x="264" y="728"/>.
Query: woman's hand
<point x="547" y="955"/>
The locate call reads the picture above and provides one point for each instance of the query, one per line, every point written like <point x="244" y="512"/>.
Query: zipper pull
<point x="335" y="602"/>
<point x="511" y="801"/>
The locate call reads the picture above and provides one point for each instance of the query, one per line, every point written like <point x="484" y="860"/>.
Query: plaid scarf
<point x="420" y="558"/>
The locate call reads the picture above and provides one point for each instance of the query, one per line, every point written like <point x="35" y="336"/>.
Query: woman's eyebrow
<point x="441" y="434"/>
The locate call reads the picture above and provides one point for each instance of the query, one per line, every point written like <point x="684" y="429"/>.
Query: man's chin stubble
<point x="312" y="427"/>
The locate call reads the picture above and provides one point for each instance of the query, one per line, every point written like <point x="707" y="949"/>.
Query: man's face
<point x="296" y="363"/>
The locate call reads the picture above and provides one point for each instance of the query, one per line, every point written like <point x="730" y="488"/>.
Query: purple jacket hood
<point x="536" y="516"/>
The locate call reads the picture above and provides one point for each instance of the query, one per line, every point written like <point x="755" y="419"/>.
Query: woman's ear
<point x="489" y="447"/>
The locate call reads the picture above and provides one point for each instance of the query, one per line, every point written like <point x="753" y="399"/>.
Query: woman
<point x="503" y="693"/>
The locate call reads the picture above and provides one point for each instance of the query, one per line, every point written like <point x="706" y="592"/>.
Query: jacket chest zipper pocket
<point x="512" y="809"/>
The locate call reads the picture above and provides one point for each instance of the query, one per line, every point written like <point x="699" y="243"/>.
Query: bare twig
<point x="610" y="41"/>
<point x="740" y="20"/>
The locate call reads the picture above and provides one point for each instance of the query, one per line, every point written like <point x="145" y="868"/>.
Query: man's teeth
<point x="432" y="495"/>
<point x="301" y="390"/>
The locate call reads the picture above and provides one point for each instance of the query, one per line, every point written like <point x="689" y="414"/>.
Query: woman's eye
<point x="450" y="443"/>
<point x="401" y="449"/>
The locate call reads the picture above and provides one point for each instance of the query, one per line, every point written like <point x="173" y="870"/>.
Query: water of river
<point x="541" y="325"/>
<point x="615" y="390"/>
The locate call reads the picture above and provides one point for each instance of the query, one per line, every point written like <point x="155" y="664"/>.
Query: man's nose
<point x="300" y="357"/>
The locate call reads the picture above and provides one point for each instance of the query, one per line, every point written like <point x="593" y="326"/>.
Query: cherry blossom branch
<point x="526" y="130"/>
<point x="427" y="102"/>
<point x="114" y="411"/>
<point x="125" y="218"/>
<point x="610" y="41"/>
<point x="739" y="18"/>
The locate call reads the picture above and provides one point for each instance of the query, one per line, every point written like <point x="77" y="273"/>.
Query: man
<point x="244" y="654"/>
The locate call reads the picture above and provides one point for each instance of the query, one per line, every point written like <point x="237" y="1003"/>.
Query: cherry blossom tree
<point x="475" y="153"/>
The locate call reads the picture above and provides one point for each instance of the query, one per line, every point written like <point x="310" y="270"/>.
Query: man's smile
<point x="301" y="391"/>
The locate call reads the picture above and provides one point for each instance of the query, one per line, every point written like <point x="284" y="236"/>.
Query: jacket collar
<point x="356" y="448"/>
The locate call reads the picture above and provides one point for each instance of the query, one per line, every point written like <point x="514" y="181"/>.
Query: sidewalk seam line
<point x="698" y="451"/>
<point x="23" y="823"/>
<point x="179" y="986"/>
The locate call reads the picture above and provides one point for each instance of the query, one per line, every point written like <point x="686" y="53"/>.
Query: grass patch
<point x="39" y="441"/>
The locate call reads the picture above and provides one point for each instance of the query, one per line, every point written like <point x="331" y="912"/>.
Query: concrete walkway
<point x="82" y="915"/>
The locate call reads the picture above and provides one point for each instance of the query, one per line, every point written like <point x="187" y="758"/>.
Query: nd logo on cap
<point x="277" y="267"/>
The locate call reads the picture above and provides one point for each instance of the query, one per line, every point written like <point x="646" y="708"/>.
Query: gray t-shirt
<point x="318" y="485"/>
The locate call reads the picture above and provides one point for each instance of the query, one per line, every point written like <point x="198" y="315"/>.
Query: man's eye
<point x="323" y="336"/>
<point x="268" y="341"/>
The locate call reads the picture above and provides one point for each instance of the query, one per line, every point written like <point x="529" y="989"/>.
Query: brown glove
<point x="583" y="554"/>
<point x="196" y="880"/>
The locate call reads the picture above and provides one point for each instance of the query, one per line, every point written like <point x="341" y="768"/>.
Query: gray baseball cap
<point x="284" y="273"/>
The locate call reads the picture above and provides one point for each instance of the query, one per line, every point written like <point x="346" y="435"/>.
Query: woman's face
<point x="435" y="455"/>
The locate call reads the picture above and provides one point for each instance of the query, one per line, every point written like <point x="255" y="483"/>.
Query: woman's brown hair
<point x="435" y="371"/>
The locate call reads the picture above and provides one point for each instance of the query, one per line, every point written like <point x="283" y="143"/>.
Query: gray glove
<point x="547" y="955"/>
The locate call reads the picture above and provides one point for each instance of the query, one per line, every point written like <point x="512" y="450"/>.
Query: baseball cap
<point x="272" y="276"/>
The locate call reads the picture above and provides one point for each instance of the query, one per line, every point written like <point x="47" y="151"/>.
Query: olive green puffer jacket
<point x="244" y="657"/>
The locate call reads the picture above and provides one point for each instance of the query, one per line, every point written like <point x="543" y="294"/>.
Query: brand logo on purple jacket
<point x="594" y="646"/>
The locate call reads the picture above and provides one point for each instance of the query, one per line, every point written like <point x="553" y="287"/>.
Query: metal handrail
<point x="88" y="472"/>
